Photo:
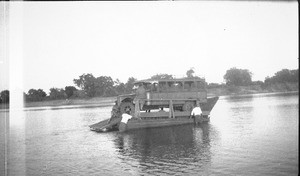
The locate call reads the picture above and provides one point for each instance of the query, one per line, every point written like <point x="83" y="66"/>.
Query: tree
<point x="119" y="87"/>
<point x="258" y="83"/>
<point x="295" y="75"/>
<point x="79" y="94"/>
<point x="190" y="73"/>
<point x="4" y="96"/>
<point x="130" y="84"/>
<point x="56" y="93"/>
<point x="69" y="90"/>
<point x="36" y="95"/>
<point x="100" y="86"/>
<point x="284" y="76"/>
<point x="238" y="77"/>
<point x="87" y="83"/>
<point x="41" y="93"/>
<point x="214" y="85"/>
<point x="104" y="86"/>
<point x="162" y="76"/>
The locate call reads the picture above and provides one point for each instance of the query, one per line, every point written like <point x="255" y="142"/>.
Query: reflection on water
<point x="247" y="135"/>
<point x="258" y="131"/>
<point x="171" y="150"/>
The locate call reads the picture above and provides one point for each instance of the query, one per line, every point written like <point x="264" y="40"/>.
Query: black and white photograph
<point x="148" y="88"/>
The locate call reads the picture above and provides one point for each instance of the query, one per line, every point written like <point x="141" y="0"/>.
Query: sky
<point x="48" y="44"/>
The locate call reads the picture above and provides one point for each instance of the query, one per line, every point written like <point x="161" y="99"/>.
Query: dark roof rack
<point x="170" y="80"/>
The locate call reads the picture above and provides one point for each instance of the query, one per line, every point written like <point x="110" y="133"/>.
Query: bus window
<point x="163" y="86"/>
<point x="193" y="86"/>
<point x="178" y="86"/>
<point x="172" y="86"/>
<point x="147" y="86"/>
<point x="154" y="87"/>
<point x="200" y="85"/>
<point x="187" y="86"/>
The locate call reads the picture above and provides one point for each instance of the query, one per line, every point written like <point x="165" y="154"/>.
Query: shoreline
<point x="223" y="90"/>
<point x="66" y="103"/>
<point x="249" y="93"/>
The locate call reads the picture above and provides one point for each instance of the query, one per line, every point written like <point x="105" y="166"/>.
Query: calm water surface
<point x="247" y="135"/>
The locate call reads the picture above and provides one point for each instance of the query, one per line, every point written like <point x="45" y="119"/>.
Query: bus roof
<point x="151" y="81"/>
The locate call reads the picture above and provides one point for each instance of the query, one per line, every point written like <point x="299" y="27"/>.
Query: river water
<point x="247" y="135"/>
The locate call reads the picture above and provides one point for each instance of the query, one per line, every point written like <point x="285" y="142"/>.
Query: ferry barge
<point x="159" y="103"/>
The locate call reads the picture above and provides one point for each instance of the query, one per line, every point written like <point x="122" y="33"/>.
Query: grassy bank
<point x="97" y="101"/>
<point x="252" y="89"/>
<point x="91" y="101"/>
<point x="215" y="91"/>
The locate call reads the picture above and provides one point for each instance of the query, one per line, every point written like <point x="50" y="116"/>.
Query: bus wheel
<point x="127" y="107"/>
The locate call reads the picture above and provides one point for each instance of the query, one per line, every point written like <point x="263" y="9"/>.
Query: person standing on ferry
<point x="196" y="113"/>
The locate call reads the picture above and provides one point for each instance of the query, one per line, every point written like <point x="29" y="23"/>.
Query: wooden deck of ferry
<point x="154" y="119"/>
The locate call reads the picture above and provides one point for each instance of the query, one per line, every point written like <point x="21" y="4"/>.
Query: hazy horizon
<point x="183" y="75"/>
<point x="52" y="43"/>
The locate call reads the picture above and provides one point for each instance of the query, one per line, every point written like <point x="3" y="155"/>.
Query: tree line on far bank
<point x="104" y="86"/>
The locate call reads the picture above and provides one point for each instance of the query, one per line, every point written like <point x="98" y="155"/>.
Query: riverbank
<point x="221" y="90"/>
<point x="96" y="101"/>
<point x="91" y="101"/>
